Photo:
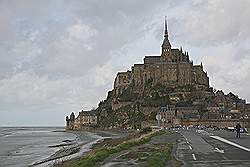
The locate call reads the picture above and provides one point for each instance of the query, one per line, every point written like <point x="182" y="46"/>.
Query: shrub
<point x="146" y="130"/>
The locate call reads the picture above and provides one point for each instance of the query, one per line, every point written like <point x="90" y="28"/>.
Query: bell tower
<point x="166" y="54"/>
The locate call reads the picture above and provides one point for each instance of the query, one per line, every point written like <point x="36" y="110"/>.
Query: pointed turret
<point x="166" y="46"/>
<point x="72" y="116"/>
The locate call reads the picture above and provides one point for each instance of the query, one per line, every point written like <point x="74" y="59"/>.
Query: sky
<point x="61" y="56"/>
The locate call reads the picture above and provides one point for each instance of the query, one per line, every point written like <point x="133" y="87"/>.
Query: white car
<point x="231" y="128"/>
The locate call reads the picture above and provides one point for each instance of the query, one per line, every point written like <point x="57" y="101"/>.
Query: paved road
<point x="205" y="148"/>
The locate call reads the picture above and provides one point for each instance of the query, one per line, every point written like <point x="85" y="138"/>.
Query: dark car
<point x="243" y="130"/>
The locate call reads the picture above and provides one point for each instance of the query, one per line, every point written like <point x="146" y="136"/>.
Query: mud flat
<point x="73" y="149"/>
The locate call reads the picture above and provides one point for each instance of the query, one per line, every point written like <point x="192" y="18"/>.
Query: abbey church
<point x="172" y="68"/>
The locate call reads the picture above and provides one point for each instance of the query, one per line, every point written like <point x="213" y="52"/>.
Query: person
<point x="238" y="130"/>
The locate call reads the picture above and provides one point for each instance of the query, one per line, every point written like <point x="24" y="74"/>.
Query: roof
<point x="197" y="66"/>
<point x="187" y="107"/>
<point x="88" y="113"/>
<point x="138" y="65"/>
<point x="175" y="52"/>
<point x="124" y="73"/>
<point x="152" y="59"/>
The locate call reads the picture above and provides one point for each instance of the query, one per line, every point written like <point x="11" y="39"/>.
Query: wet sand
<point x="22" y="146"/>
<point x="105" y="134"/>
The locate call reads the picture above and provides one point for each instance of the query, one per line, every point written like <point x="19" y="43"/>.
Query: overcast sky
<point x="61" y="56"/>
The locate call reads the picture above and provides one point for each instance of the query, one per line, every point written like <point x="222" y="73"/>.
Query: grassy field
<point x="100" y="154"/>
<point x="158" y="156"/>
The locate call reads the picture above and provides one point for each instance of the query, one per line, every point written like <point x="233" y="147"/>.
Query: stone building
<point x="85" y="119"/>
<point x="172" y="68"/>
<point x="247" y="111"/>
<point x="70" y="121"/>
<point x="229" y="101"/>
<point x="168" y="114"/>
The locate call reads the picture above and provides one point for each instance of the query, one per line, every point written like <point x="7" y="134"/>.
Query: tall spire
<point x="166" y="43"/>
<point x="166" y="46"/>
<point x="166" y="28"/>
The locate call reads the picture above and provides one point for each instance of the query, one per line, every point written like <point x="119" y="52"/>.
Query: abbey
<point x="172" y="68"/>
<point x="169" y="85"/>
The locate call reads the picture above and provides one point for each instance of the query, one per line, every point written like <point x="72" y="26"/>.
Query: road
<point x="205" y="148"/>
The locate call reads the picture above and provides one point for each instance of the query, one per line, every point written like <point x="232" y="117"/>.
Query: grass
<point x="99" y="155"/>
<point x="159" y="158"/>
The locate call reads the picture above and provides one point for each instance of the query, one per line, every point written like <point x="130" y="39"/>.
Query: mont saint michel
<point x="124" y="83"/>
<point x="169" y="86"/>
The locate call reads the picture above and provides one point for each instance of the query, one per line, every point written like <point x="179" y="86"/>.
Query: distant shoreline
<point x="7" y="126"/>
<point x="106" y="135"/>
<point x="75" y="151"/>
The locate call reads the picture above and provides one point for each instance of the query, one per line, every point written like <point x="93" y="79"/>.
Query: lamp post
<point x="158" y="118"/>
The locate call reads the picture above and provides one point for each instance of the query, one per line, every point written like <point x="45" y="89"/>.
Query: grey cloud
<point x="45" y="24"/>
<point x="214" y="22"/>
<point x="59" y="56"/>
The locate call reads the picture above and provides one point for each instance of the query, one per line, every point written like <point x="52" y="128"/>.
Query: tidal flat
<point x="42" y="146"/>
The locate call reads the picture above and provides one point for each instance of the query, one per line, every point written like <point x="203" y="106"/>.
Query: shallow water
<point x="22" y="147"/>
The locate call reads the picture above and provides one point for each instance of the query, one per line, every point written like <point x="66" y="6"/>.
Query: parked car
<point x="216" y="128"/>
<point x="230" y="128"/>
<point x="243" y="130"/>
<point x="201" y="127"/>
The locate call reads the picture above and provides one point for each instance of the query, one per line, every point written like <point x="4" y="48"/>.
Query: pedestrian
<point x="238" y="130"/>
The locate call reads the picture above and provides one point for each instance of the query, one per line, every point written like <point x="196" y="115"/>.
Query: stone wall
<point x="221" y="123"/>
<point x="177" y="73"/>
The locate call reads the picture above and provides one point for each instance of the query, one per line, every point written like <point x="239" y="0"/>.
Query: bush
<point x="146" y="130"/>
